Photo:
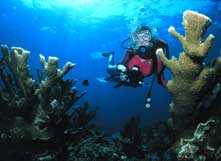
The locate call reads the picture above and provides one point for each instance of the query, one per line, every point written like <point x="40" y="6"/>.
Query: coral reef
<point x="29" y="94"/>
<point x="17" y="63"/>
<point x="146" y="144"/>
<point x="132" y="131"/>
<point x="192" y="80"/>
<point x="39" y="120"/>
<point x="200" y="147"/>
<point x="97" y="147"/>
<point x="159" y="140"/>
<point x="132" y="138"/>
<point x="35" y="116"/>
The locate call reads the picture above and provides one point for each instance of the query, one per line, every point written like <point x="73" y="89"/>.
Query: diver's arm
<point x="160" y="74"/>
<point x="162" y="44"/>
<point x="127" y="57"/>
<point x="160" y="67"/>
<point x="161" y="80"/>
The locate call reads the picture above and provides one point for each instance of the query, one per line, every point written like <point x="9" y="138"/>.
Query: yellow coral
<point x="17" y="59"/>
<point x="191" y="79"/>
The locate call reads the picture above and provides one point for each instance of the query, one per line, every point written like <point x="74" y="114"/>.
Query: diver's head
<point x="140" y="37"/>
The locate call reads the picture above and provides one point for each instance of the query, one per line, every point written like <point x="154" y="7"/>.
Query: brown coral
<point x="191" y="78"/>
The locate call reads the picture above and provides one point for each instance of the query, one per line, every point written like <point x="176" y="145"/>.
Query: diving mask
<point x="141" y="39"/>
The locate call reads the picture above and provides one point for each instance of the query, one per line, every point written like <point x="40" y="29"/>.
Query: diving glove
<point x="122" y="67"/>
<point x="123" y="76"/>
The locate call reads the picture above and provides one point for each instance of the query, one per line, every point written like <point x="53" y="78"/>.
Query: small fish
<point x="85" y="82"/>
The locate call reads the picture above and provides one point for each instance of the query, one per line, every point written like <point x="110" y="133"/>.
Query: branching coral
<point x="53" y="75"/>
<point x="34" y="109"/>
<point x="191" y="80"/>
<point x="16" y="60"/>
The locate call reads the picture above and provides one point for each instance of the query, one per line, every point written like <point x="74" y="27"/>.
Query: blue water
<point x="77" y="30"/>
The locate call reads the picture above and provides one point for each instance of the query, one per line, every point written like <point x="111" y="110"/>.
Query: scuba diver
<point x="139" y="62"/>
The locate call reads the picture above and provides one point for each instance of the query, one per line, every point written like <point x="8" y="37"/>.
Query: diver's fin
<point x="111" y="78"/>
<point x="118" y="85"/>
<point x="107" y="54"/>
<point x="122" y="83"/>
<point x="102" y="79"/>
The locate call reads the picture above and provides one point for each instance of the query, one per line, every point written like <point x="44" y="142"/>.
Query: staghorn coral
<point x="191" y="79"/>
<point x="53" y="75"/>
<point x="33" y="112"/>
<point x="16" y="60"/>
<point x="30" y="98"/>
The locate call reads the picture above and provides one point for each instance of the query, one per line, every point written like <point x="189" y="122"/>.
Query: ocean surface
<point x="79" y="30"/>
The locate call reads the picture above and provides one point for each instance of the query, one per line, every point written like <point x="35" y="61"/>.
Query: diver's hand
<point x="121" y="68"/>
<point x="123" y="76"/>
